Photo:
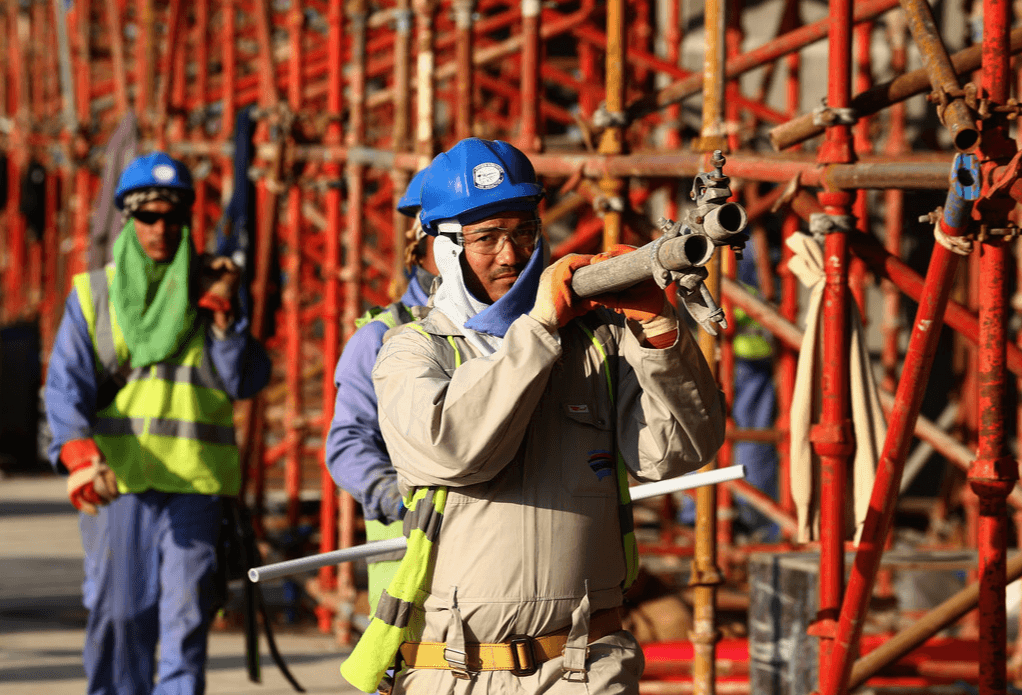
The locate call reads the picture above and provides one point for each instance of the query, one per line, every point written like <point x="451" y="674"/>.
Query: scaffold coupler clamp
<point x="824" y="116"/>
<point x="692" y="290"/>
<point x="821" y="224"/>
<point x="602" y="118"/>
<point x="724" y="222"/>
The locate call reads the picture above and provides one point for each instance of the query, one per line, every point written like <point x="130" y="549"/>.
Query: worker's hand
<point x="642" y="302"/>
<point x="218" y="286"/>
<point x="556" y="304"/>
<point x="92" y="483"/>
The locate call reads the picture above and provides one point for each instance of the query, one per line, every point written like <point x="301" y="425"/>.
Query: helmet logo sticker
<point x="487" y="175"/>
<point x="163" y="172"/>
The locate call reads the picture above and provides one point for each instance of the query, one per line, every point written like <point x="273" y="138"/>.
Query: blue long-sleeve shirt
<point x="355" y="453"/>
<point x="71" y="387"/>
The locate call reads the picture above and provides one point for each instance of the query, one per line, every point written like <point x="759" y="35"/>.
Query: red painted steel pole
<point x="463" y="10"/>
<point x="80" y="146"/>
<point x="331" y="299"/>
<point x="144" y="62"/>
<point x="901" y="422"/>
<point x="832" y="438"/>
<point x="894" y="205"/>
<point x="863" y="145"/>
<point x="994" y="472"/>
<point x="18" y="112"/>
<point x="531" y="87"/>
<point x="770" y="51"/>
<point x="116" y="32"/>
<point x="292" y="297"/>
<point x="201" y="36"/>
<point x="402" y="124"/>
<point x="787" y="359"/>
<point x="354" y="251"/>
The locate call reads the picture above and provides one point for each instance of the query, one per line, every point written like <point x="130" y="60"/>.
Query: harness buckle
<point x="458" y="663"/>
<point x="523" y="655"/>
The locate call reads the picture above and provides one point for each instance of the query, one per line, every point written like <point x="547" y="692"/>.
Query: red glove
<point x="92" y="483"/>
<point x="642" y="302"/>
<point x="556" y="304"/>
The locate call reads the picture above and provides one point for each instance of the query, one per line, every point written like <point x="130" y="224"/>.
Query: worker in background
<point x="148" y="358"/>
<point x="754" y="404"/>
<point x="753" y="408"/>
<point x="355" y="453"/>
<point x="511" y="413"/>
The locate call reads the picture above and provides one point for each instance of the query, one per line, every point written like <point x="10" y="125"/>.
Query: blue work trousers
<point x="150" y="560"/>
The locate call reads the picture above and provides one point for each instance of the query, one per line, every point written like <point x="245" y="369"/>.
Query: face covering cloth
<point x="152" y="301"/>
<point x="484" y="324"/>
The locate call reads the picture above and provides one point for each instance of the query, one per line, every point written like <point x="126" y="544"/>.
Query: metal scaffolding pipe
<point x="922" y="629"/>
<point x="901" y="424"/>
<point x="328" y="512"/>
<point x="952" y="110"/>
<point x="772" y="50"/>
<point x="881" y="96"/>
<point x="994" y="472"/>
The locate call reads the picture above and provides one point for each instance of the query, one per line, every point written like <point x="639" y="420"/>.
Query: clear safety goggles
<point x="490" y="242"/>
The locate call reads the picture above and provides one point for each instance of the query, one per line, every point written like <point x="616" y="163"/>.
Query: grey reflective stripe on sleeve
<point x="199" y="431"/>
<point x="100" y="291"/>
<point x="119" y="426"/>
<point x="179" y="374"/>
<point x="424" y="518"/>
<point x="393" y="611"/>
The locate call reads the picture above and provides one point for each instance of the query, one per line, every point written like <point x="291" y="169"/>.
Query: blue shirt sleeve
<point x="355" y="453"/>
<point x="240" y="360"/>
<point x="71" y="385"/>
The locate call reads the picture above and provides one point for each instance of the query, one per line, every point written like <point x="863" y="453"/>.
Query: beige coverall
<point x="531" y="525"/>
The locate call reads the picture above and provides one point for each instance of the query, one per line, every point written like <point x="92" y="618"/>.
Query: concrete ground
<point x="42" y="620"/>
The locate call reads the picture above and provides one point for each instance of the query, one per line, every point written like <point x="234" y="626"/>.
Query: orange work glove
<point x="642" y="302"/>
<point x="218" y="283"/>
<point x="92" y="483"/>
<point x="556" y="304"/>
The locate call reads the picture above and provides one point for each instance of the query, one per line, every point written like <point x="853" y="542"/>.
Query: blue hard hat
<point x="475" y="179"/>
<point x="153" y="170"/>
<point x="409" y="204"/>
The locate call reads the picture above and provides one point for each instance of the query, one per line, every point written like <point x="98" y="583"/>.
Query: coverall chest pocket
<point x="589" y="457"/>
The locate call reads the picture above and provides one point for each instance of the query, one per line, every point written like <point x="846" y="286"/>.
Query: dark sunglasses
<point x="150" y="217"/>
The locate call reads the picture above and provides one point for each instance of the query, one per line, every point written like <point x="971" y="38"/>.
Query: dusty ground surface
<point x="42" y="620"/>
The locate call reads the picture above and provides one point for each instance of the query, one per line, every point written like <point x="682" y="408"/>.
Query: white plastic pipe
<point x="360" y="552"/>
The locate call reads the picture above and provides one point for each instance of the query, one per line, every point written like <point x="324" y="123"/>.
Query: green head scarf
<point x="152" y="301"/>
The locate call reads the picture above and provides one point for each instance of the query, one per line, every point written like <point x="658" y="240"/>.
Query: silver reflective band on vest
<point x="105" y="349"/>
<point x="200" y="431"/>
<point x="203" y="377"/>
<point x="120" y="426"/>
<point x="165" y="427"/>
<point x="393" y="611"/>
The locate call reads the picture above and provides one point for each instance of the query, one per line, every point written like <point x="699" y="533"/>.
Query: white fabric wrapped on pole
<point x="869" y="426"/>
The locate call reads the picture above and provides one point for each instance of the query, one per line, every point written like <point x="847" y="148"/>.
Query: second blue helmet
<point x="410" y="202"/>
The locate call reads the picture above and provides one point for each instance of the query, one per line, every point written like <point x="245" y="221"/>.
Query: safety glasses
<point x="490" y="242"/>
<point x="150" y="217"/>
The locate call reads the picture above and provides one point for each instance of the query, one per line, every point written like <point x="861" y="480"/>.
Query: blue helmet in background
<point x="475" y="179"/>
<point x="154" y="170"/>
<point x="409" y="203"/>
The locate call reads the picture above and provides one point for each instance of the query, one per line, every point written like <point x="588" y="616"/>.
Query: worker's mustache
<point x="505" y="270"/>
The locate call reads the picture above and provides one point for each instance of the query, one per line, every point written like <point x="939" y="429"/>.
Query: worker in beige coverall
<point x="516" y="396"/>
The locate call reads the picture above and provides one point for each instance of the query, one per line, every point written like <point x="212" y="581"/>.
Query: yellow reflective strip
<point x="457" y="352"/>
<point x="606" y="362"/>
